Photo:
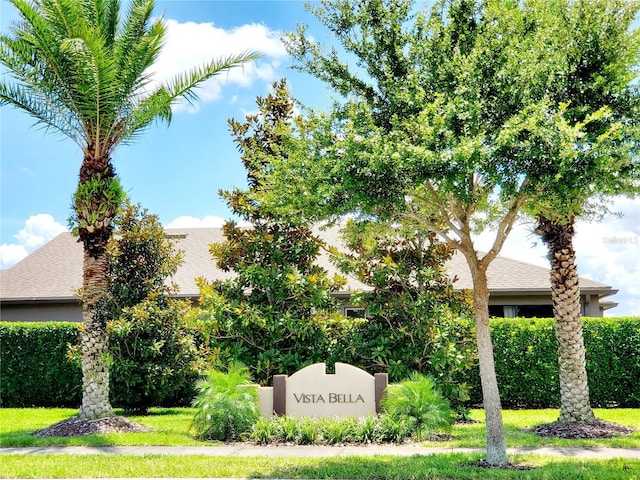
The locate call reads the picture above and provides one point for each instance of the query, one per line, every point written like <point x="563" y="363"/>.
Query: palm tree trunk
<point x="94" y="231"/>
<point x="95" y="370"/>
<point x="565" y="292"/>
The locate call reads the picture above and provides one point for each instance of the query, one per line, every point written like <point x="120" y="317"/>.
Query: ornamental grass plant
<point x="418" y="402"/>
<point x="226" y="404"/>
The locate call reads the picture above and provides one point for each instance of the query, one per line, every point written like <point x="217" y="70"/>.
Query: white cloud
<point x="609" y="252"/>
<point x="192" y="44"/>
<point x="37" y="231"/>
<point x="10" y="254"/>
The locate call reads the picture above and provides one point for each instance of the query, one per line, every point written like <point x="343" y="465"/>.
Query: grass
<point x="450" y="466"/>
<point x="171" y="427"/>
<point x="516" y="422"/>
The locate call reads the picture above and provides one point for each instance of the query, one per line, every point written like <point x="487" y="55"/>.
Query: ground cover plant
<point x="332" y="431"/>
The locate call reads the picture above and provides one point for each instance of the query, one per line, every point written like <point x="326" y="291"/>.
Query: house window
<point x="351" y="312"/>
<point x="522" y="311"/>
<point x="540" y="311"/>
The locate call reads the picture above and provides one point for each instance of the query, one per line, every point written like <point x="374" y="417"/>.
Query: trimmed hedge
<point x="526" y="360"/>
<point x="34" y="370"/>
<point x="613" y="361"/>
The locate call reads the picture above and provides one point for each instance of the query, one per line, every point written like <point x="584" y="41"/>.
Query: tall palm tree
<point x="81" y="71"/>
<point x="600" y="50"/>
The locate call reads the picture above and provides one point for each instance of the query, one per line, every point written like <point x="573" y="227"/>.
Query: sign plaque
<point x="312" y="392"/>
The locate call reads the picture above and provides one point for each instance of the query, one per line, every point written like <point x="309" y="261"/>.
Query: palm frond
<point x="158" y="104"/>
<point x="75" y="68"/>
<point x="38" y="35"/>
<point x="103" y="15"/>
<point x="43" y="110"/>
<point x="94" y="79"/>
<point x="135" y="27"/>
<point x="184" y="86"/>
<point x="134" y="62"/>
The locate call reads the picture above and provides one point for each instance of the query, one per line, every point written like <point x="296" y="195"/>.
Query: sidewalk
<point x="246" y="450"/>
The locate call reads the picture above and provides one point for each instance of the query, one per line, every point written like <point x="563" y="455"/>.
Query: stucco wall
<point x="57" y="312"/>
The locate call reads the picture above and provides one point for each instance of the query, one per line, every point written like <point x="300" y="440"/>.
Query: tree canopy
<point x="447" y="117"/>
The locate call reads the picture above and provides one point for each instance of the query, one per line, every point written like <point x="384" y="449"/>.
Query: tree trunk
<point x="95" y="369"/>
<point x="94" y="231"/>
<point x="496" y="449"/>
<point x="565" y="292"/>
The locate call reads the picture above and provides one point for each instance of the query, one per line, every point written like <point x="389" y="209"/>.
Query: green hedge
<point x="34" y="370"/>
<point x="526" y="359"/>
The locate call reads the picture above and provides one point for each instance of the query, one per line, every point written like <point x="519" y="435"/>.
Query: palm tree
<point x="84" y="73"/>
<point x="600" y="48"/>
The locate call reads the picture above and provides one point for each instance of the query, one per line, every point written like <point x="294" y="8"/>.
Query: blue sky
<point x="176" y="171"/>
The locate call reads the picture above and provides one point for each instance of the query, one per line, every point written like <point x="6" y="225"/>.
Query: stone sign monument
<point x="312" y="392"/>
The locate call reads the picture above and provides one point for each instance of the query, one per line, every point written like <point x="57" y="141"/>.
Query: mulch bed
<point x="596" y="429"/>
<point x="508" y="466"/>
<point x="74" y="427"/>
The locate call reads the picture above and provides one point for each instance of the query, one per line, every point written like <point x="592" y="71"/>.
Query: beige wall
<point x="72" y="312"/>
<point x="57" y="312"/>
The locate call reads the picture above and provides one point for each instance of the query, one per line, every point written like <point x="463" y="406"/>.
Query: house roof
<point x="54" y="272"/>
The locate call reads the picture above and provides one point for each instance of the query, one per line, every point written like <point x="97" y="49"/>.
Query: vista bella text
<point x="328" y="398"/>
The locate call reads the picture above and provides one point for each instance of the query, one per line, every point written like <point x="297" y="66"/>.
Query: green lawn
<point x="451" y="466"/>
<point x="171" y="428"/>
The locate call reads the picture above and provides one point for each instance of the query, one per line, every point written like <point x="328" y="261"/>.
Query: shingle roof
<point x="54" y="271"/>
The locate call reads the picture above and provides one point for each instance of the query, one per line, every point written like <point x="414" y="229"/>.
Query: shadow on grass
<point x="455" y="466"/>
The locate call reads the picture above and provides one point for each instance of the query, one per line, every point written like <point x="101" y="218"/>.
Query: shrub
<point x="34" y="370"/>
<point x="331" y="431"/>
<point x="226" y="403"/>
<point x="418" y="401"/>
<point x="613" y="361"/>
<point x="154" y="356"/>
<point x="526" y="355"/>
